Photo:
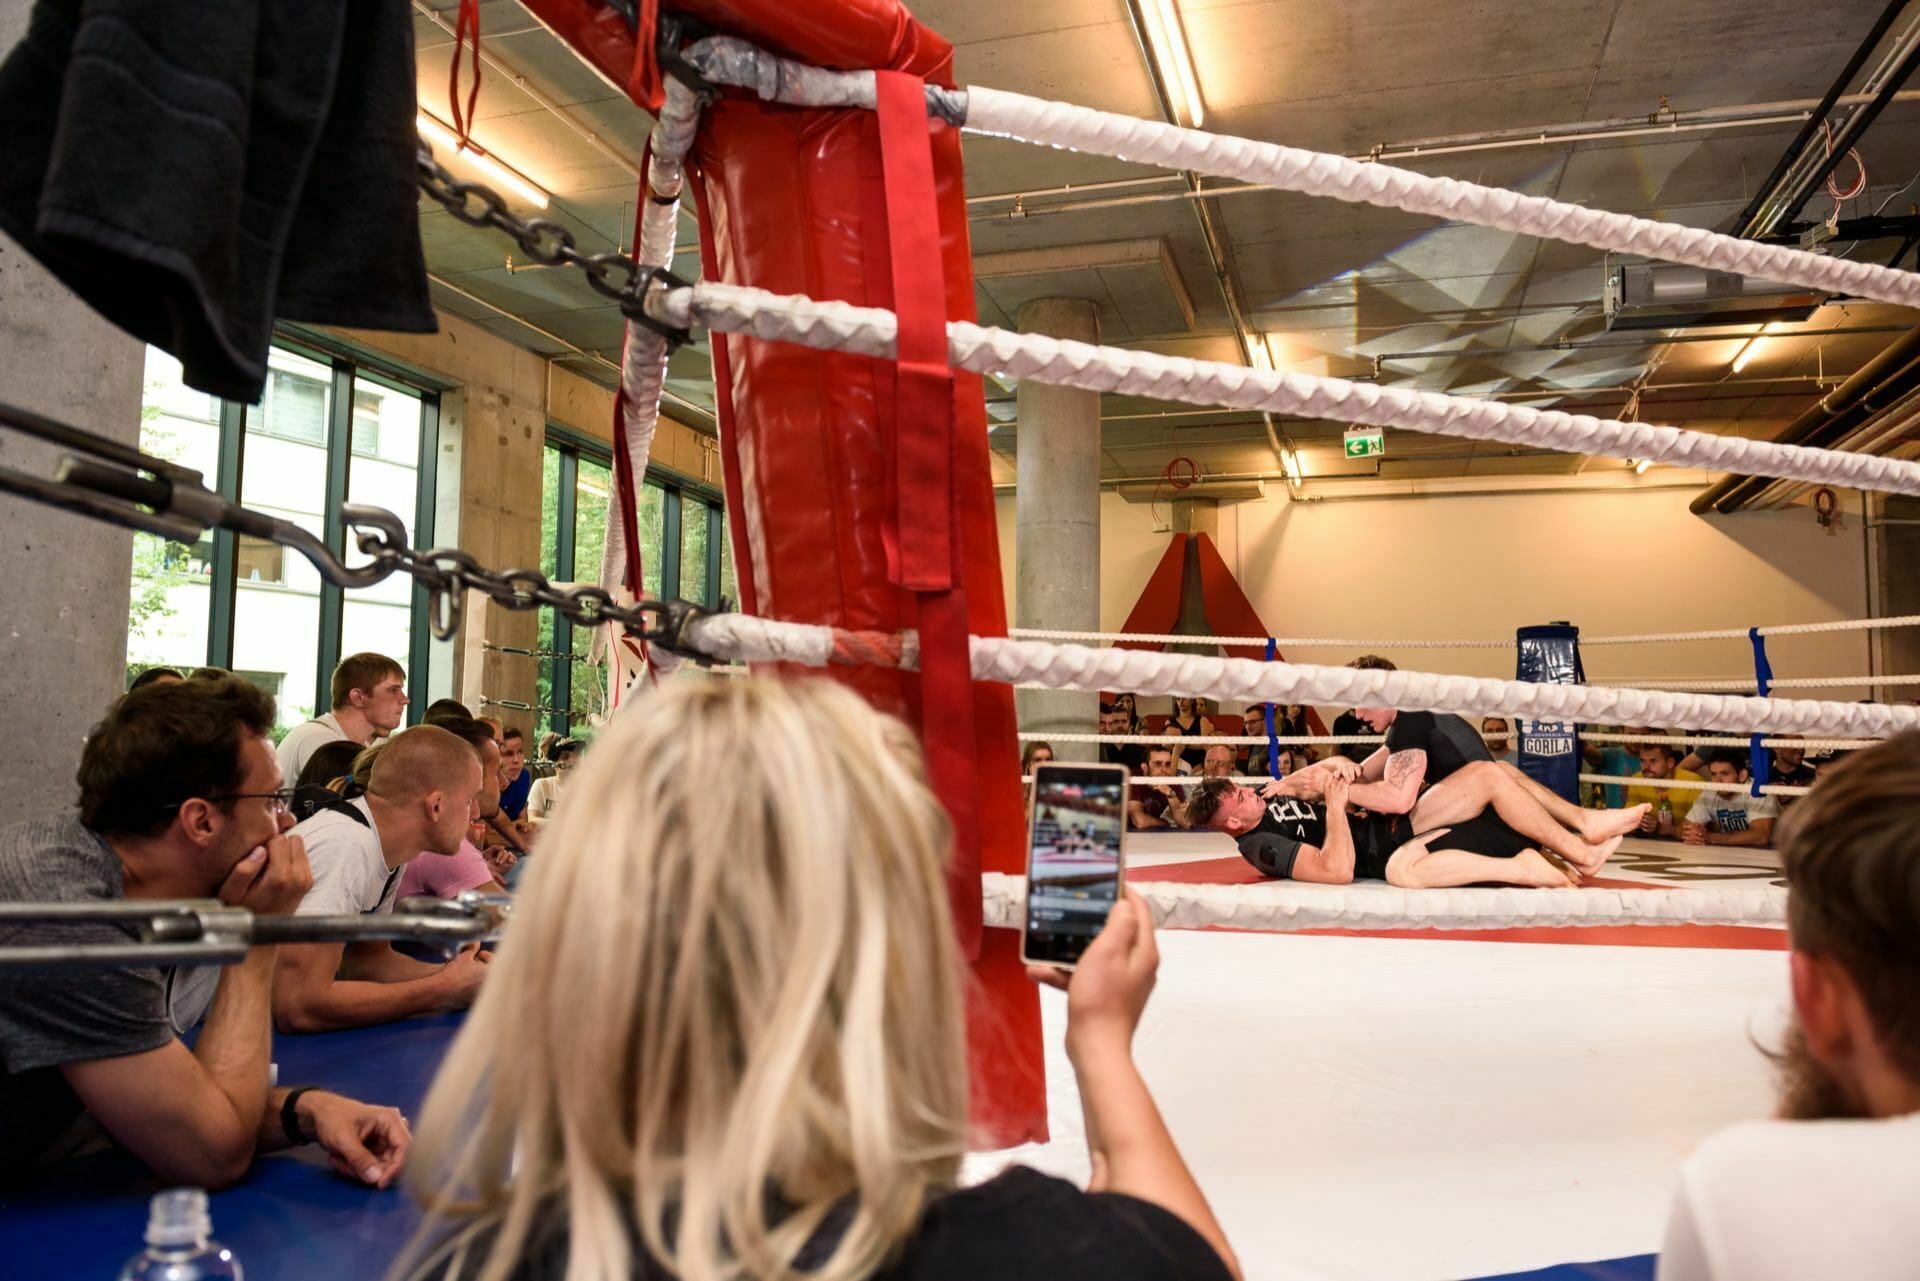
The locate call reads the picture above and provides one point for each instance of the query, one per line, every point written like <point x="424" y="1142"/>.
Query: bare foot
<point x="1602" y="851"/>
<point x="1599" y="825"/>
<point x="1532" y="868"/>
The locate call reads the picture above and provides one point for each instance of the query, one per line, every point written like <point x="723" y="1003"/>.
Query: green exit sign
<point x="1366" y="442"/>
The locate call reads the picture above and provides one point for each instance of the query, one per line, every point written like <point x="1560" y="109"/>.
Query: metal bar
<point x="1850" y="133"/>
<point x="716" y="540"/>
<point x="1748" y="218"/>
<point x="1458" y="352"/>
<point x="566" y="512"/>
<point x="339" y="459"/>
<point x="426" y="493"/>
<point x="206" y="931"/>
<point x="223" y="598"/>
<point x="670" y="513"/>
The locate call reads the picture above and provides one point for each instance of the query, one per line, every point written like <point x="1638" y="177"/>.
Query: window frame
<point x="346" y="368"/>
<point x="680" y="494"/>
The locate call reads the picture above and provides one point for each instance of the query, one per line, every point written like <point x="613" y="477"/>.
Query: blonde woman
<point x="722" y="1040"/>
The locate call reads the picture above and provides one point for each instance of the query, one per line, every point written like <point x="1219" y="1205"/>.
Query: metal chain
<point x="612" y="274"/>
<point x="447" y="574"/>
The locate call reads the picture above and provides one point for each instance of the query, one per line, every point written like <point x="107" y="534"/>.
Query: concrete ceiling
<point x="1334" y="286"/>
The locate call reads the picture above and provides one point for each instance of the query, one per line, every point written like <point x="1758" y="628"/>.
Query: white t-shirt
<point x="350" y="872"/>
<point x="1734" y="811"/>
<point x="1798" y="1200"/>
<point x="299" y="743"/>
<point x="544" y="796"/>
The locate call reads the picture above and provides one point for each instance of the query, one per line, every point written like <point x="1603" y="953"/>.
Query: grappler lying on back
<point x="1298" y="828"/>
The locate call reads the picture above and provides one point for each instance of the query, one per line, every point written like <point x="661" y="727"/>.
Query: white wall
<point x="1482" y="565"/>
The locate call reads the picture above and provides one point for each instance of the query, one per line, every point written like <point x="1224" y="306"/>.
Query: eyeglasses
<point x="281" y="800"/>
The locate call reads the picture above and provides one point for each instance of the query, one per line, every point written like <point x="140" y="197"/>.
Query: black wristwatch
<point x="289" y="1119"/>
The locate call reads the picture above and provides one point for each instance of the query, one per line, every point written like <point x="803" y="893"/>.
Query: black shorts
<point x="1486" y="834"/>
<point x="1375" y="838"/>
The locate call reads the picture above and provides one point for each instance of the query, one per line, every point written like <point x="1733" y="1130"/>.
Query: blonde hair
<point x="728" y="1002"/>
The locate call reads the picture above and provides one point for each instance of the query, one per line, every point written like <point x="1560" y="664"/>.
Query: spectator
<point x="1035" y="754"/>
<point x="421" y="792"/>
<point x="154" y="676"/>
<point x="728" y="1026"/>
<point x="516" y="778"/>
<point x="369" y="701"/>
<point x="467" y="868"/>
<point x="1496" y="729"/>
<point x="547" y="740"/>
<point x="1218" y="762"/>
<point x="1658" y="761"/>
<point x="1131" y="706"/>
<point x="1113" y="720"/>
<point x="328" y="762"/>
<point x="1730" y="814"/>
<point x="1186" y="722"/>
<point x="180" y="797"/>
<point x="442" y="708"/>
<point x="1253" y="724"/>
<point x="546" y="791"/>
<point x="494" y="726"/>
<point x="1156" y="805"/>
<point x="1347" y="725"/>
<point x="1618" y="760"/>
<point x="1828" y="1188"/>
<point x="498" y="840"/>
<point x="1790" y="768"/>
<point x="1292" y="761"/>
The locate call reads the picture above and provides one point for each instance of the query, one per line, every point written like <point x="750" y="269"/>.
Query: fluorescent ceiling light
<point x="441" y="136"/>
<point x="1167" y="40"/>
<point x="1260" y="352"/>
<point x="1745" y="354"/>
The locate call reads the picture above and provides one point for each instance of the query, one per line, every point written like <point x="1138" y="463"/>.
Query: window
<point x="682" y="553"/>
<point x="325" y="432"/>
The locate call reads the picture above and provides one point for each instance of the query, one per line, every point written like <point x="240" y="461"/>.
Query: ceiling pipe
<point x="1878" y="383"/>
<point x="1747" y="222"/>
<point x="1881" y="433"/>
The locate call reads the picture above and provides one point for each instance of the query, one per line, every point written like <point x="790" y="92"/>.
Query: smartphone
<point x="1075" y="859"/>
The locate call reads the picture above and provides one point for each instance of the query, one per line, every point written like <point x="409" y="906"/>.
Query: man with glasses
<point x="180" y="798"/>
<point x="369" y="702"/>
<point x="422" y="794"/>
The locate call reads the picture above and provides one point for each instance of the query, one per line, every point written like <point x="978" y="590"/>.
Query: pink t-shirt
<point x="445" y="875"/>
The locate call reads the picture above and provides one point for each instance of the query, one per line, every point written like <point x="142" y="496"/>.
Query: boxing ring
<point x="860" y="512"/>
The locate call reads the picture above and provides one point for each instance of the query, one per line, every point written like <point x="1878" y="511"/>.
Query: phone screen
<point x="1073" y="858"/>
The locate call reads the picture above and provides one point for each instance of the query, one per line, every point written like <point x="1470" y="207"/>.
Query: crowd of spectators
<point x="182" y="795"/>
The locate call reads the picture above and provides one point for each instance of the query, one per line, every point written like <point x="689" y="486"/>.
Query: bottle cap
<point x="178" y="1217"/>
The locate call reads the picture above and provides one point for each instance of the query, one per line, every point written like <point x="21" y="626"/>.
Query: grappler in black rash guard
<point x="1298" y="829"/>
<point x="1446" y="790"/>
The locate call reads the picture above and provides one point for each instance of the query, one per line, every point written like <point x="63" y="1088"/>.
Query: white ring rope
<point x="1102" y="133"/>
<point x="1789" y="682"/>
<point x="1285" y="906"/>
<point x="1194" y="675"/>
<point x="1326" y="642"/>
<point x="1301" y="740"/>
<point x="1691" y="785"/>
<point x="1707" y="740"/>
<point x="1149" y="142"/>
<point x="1207" y="740"/>
<point x="873" y="331"/>
<point x="1181" y="780"/>
<point x="1293" y="642"/>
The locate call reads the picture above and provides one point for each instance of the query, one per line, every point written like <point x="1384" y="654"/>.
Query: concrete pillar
<point x="1057" y="518"/>
<point x="63" y="613"/>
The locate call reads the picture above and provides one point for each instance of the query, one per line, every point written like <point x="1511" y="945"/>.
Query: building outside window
<point x="325" y="431"/>
<point x="683" y="553"/>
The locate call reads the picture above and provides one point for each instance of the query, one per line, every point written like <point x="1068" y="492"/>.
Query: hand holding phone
<point x="1108" y="992"/>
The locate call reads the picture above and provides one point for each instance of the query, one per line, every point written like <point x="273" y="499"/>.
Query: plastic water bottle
<point x="180" y="1244"/>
